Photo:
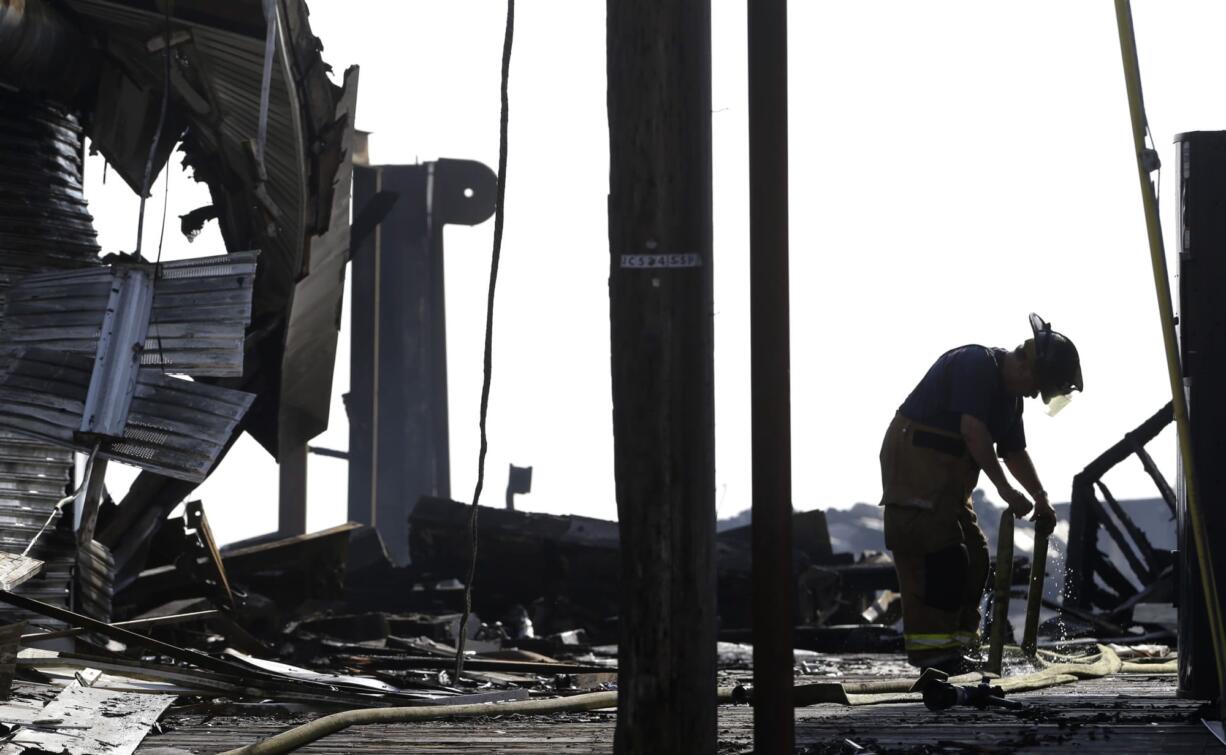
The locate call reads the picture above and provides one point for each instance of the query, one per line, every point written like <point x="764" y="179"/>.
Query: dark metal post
<point x="1201" y="172"/>
<point x="662" y="343"/>
<point x="770" y="346"/>
<point x="292" y="501"/>
<point x="397" y="401"/>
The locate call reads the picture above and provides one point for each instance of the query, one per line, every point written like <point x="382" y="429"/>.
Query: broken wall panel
<point x="92" y="721"/>
<point x="276" y="196"/>
<point x="315" y="318"/>
<point x="174" y="427"/>
<point x="200" y="312"/>
<point x="234" y="62"/>
<point x="201" y="309"/>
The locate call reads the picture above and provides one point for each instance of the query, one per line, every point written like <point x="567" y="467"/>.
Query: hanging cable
<point x="489" y="340"/>
<point x="157" y="137"/>
<point x="157" y="267"/>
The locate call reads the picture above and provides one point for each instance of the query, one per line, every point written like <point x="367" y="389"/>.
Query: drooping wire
<point x="489" y="339"/>
<point x="165" y="202"/>
<point x="157" y="266"/>
<point x="157" y="137"/>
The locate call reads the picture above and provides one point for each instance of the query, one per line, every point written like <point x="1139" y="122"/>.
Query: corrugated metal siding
<point x="44" y="225"/>
<point x="175" y="427"/>
<point x="178" y="427"/>
<point x="201" y="308"/>
<point x="235" y="64"/>
<point x="33" y="477"/>
<point x="310" y="338"/>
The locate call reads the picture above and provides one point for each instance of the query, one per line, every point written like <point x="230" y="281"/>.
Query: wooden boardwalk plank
<point x="1117" y="714"/>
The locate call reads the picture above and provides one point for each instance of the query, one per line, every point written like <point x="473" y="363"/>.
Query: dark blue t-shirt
<point x="967" y="380"/>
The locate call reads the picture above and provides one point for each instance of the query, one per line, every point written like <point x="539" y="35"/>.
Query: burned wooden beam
<point x="1144" y="433"/>
<point x="1086" y="514"/>
<point x="1164" y="487"/>
<point x="1139" y="568"/>
<point x="1161" y="588"/>
<point x="1138" y="536"/>
<point x="1112" y="577"/>
<point x="576" y="559"/>
<point x="1082" y="557"/>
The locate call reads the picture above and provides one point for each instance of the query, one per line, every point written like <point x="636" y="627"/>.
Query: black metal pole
<point x="773" y="578"/>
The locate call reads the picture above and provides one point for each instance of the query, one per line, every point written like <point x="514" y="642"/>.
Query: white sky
<point x="954" y="166"/>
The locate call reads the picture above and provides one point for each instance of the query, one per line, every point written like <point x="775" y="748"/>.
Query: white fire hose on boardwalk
<point x="1056" y="670"/>
<point x="288" y="741"/>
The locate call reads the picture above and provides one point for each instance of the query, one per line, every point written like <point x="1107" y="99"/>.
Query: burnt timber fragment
<point x="566" y="573"/>
<point x="1087" y="565"/>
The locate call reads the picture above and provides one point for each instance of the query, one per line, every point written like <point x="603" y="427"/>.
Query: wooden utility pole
<point x="660" y="304"/>
<point x="770" y="360"/>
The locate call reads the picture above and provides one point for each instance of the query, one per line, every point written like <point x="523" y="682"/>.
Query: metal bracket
<point x="125" y="326"/>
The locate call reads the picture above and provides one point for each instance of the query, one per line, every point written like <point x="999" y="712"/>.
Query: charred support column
<point x="1202" y="329"/>
<point x="660" y="306"/>
<point x="770" y="348"/>
<point x="397" y="402"/>
<point x="292" y="489"/>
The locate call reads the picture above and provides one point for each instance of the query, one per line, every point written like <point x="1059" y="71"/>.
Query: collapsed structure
<point x="246" y="98"/>
<point x="368" y="614"/>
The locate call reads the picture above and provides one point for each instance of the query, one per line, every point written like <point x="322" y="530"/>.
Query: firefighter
<point x="964" y="413"/>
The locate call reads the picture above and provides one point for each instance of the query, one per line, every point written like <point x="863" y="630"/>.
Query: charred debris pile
<point x="544" y="605"/>
<point x="327" y="621"/>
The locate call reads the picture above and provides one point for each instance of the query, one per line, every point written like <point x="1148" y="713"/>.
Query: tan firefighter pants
<point x="940" y="553"/>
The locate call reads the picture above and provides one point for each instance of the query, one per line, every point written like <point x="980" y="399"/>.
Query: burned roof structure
<point x="242" y="90"/>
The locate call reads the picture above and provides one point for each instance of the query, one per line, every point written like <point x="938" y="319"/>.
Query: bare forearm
<point x="979" y="443"/>
<point x="1022" y="468"/>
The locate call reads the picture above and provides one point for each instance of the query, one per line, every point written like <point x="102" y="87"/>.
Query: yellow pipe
<point x="1136" y="109"/>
